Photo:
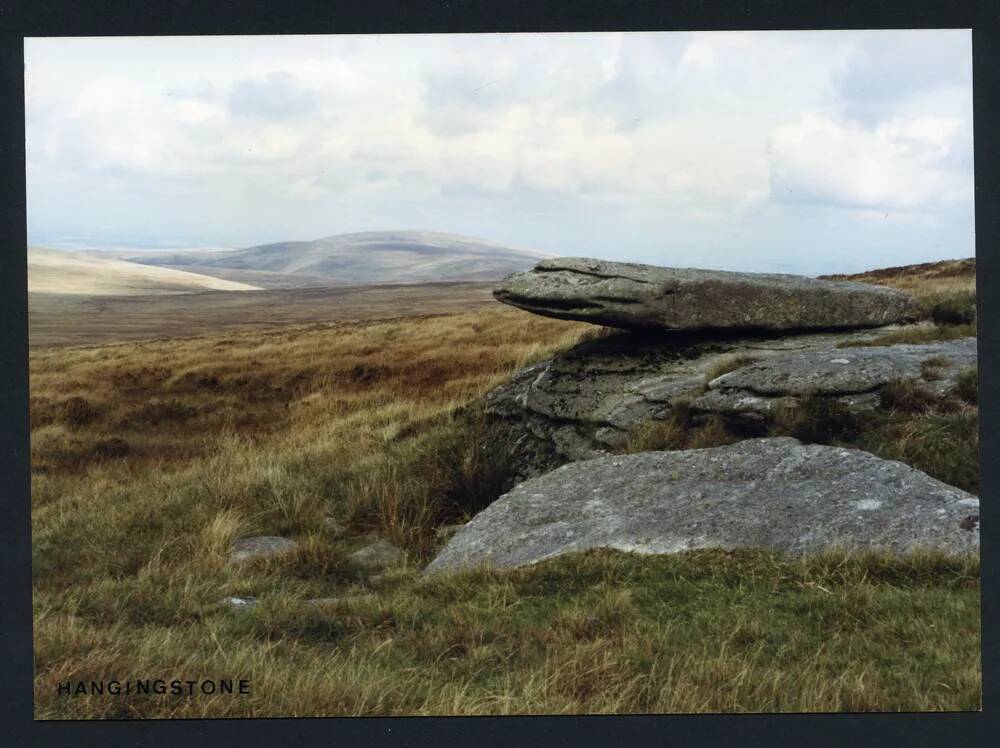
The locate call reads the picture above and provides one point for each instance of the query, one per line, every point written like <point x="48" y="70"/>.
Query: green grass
<point x="943" y="445"/>
<point x="602" y="632"/>
<point x="950" y="307"/>
<point x="967" y="387"/>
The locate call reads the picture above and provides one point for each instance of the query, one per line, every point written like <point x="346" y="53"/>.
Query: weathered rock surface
<point x="853" y="376"/>
<point x="260" y="546"/>
<point x="767" y="493"/>
<point x="588" y="400"/>
<point x="378" y="555"/>
<point x="633" y="296"/>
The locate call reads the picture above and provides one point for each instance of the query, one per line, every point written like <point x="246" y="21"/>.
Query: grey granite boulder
<point x="260" y="546"/>
<point x="766" y="493"/>
<point x="632" y="296"/>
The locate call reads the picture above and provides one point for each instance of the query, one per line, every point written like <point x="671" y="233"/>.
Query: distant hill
<point x="56" y="272"/>
<point x="363" y="258"/>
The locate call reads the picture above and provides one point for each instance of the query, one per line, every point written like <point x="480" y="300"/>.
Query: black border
<point x="205" y="17"/>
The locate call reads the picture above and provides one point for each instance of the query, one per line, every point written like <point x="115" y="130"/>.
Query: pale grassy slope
<point x="55" y="272"/>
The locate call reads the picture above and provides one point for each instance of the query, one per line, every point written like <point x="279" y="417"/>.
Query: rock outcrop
<point x="764" y="493"/>
<point x="853" y="376"/>
<point x="588" y="400"/>
<point x="633" y="296"/>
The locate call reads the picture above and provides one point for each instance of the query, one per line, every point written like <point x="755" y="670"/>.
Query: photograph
<point x="487" y="374"/>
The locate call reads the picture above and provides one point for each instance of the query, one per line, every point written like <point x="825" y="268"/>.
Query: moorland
<point x="160" y="438"/>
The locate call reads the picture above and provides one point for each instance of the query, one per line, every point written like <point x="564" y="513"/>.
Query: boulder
<point x="378" y="555"/>
<point x="765" y="493"/>
<point x="588" y="400"/>
<point x="633" y="296"/>
<point x="261" y="546"/>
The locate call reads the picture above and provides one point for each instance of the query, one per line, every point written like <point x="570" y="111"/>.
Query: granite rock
<point x="771" y="493"/>
<point x="634" y="296"/>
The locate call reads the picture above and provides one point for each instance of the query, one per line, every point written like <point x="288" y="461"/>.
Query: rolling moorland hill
<point x="362" y="258"/>
<point x="55" y="272"/>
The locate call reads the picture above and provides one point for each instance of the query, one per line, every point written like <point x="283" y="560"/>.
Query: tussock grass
<point x="657" y="436"/>
<point x="944" y="445"/>
<point x="967" y="386"/>
<point x="950" y="307"/>
<point x="601" y="632"/>
<point x="713" y="433"/>
<point x="680" y="432"/>
<point x="726" y="365"/>
<point x="672" y="433"/>
<point x="816" y="419"/>
<point x="908" y="397"/>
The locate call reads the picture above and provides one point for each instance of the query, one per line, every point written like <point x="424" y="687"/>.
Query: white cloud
<point x="554" y="141"/>
<point x="699" y="55"/>
<point x="900" y="164"/>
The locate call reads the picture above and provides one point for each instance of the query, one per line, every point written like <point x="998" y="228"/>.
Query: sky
<point x="805" y="152"/>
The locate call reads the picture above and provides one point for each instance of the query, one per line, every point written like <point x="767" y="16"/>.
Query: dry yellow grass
<point x="54" y="272"/>
<point x="171" y="400"/>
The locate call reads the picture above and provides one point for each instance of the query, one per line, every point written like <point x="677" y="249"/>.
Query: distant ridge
<point x="964" y="268"/>
<point x="57" y="272"/>
<point x="958" y="275"/>
<point x="360" y="258"/>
